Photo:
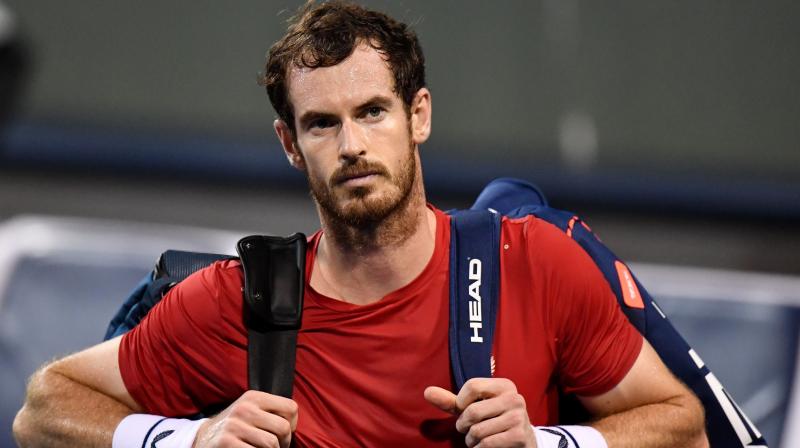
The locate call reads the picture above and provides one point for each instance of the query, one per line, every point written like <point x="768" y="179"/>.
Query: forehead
<point x="363" y="75"/>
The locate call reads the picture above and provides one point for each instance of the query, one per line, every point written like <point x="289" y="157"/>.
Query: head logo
<point x="475" y="317"/>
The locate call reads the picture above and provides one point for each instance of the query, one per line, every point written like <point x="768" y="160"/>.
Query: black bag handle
<point x="274" y="279"/>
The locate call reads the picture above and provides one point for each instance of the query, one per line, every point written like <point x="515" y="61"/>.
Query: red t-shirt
<point x="361" y="370"/>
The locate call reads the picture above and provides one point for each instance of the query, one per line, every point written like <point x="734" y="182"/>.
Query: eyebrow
<point x="377" y="100"/>
<point x="312" y="115"/>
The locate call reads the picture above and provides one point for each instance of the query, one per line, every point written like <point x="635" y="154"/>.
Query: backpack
<point x="474" y="290"/>
<point x="726" y="424"/>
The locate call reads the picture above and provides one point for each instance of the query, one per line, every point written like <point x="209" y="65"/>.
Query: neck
<point x="362" y="265"/>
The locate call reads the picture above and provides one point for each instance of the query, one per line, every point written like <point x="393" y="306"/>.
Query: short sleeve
<point x="595" y="343"/>
<point x="190" y="351"/>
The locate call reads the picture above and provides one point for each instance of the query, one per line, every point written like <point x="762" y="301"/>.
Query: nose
<point x="352" y="141"/>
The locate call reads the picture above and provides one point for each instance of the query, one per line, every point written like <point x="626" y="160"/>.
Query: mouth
<point x="353" y="177"/>
<point x="358" y="180"/>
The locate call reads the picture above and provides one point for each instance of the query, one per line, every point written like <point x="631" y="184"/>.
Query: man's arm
<point x="648" y="408"/>
<point x="81" y="399"/>
<point x="75" y="401"/>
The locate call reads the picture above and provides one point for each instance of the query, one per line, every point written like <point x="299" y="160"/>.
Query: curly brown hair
<point x="325" y="34"/>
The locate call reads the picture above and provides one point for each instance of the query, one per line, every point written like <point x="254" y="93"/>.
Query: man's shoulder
<point x="546" y="248"/>
<point x="229" y="266"/>
<point x="221" y="281"/>
<point x="537" y="232"/>
<point x="223" y="273"/>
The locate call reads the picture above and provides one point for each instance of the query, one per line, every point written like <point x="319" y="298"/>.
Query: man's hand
<point x="490" y="412"/>
<point x="256" y="419"/>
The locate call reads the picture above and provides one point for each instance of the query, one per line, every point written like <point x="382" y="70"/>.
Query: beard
<point x="363" y="207"/>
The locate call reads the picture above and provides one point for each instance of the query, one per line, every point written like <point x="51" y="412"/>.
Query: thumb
<point x="441" y="398"/>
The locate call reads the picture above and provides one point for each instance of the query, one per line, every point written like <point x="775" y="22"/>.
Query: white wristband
<point x="138" y="430"/>
<point x="568" y="437"/>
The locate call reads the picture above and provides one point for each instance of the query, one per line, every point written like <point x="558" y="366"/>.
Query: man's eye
<point x="374" y="111"/>
<point x="321" y="123"/>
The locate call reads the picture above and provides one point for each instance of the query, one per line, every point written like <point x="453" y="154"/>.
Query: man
<point x="372" y="359"/>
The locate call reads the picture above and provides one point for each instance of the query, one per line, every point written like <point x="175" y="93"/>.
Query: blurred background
<point x="672" y="128"/>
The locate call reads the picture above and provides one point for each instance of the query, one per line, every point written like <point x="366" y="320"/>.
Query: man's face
<point x="353" y="138"/>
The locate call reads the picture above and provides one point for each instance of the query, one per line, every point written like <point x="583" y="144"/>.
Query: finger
<point x="514" y="422"/>
<point x="239" y="433"/>
<point x="441" y="398"/>
<point x="253" y="412"/>
<point x="236" y="443"/>
<point x="490" y="408"/>
<point x="486" y="428"/>
<point x="261" y="439"/>
<point x="275" y="404"/>
<point x="478" y="412"/>
<point x="274" y="424"/>
<point x="480" y="388"/>
<point x="513" y="437"/>
<point x="220" y="434"/>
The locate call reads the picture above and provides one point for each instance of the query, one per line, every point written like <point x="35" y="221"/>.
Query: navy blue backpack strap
<point x="474" y="286"/>
<point x="475" y="274"/>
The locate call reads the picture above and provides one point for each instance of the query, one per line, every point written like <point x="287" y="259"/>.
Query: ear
<point x="290" y="148"/>
<point x="421" y="116"/>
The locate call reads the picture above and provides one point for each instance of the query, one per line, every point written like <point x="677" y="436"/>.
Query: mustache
<point x="360" y="168"/>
